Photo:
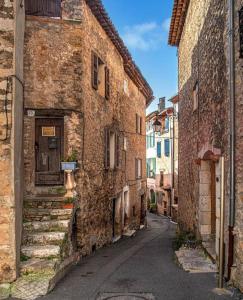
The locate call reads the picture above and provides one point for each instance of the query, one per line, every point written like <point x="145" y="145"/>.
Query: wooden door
<point x="113" y="217"/>
<point x="142" y="210"/>
<point x="213" y="198"/>
<point x="49" y="151"/>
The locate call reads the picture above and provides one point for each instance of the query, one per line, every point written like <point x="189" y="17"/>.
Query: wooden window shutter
<point x="107" y="83"/>
<point x="136" y="168"/>
<point x="136" y="123"/>
<point x="49" y="8"/>
<point x="107" y="148"/>
<point x="117" y="150"/>
<point x="95" y="71"/>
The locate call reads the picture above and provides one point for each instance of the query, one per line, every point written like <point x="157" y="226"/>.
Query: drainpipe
<point x="221" y="243"/>
<point x="232" y="134"/>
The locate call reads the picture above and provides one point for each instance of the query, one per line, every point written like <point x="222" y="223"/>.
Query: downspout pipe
<point x="231" y="8"/>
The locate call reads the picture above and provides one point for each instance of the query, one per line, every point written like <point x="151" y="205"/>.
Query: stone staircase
<point x="47" y="249"/>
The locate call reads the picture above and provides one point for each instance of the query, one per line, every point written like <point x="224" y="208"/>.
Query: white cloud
<point x="146" y="36"/>
<point x="166" y="24"/>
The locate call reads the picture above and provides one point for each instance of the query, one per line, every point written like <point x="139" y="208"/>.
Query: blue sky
<point x="144" y="26"/>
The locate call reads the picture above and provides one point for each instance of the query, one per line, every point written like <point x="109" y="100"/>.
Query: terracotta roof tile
<point x="178" y="21"/>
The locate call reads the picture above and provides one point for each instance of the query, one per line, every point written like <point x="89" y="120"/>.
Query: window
<point x="138" y="124"/>
<point x="126" y="90"/>
<point x="159" y="149"/>
<point x="167" y="124"/>
<point x="48" y="8"/>
<point x="138" y="168"/>
<point x="112" y="148"/>
<point x="100" y="77"/>
<point x="151" y="167"/>
<point x="125" y="143"/>
<point x="150" y="140"/>
<point x="195" y="96"/>
<point x="167" y="147"/>
<point x="107" y="83"/>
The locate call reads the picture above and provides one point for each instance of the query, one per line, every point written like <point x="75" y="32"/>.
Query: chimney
<point x="161" y="105"/>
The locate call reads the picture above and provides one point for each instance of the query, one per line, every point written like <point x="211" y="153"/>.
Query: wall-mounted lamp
<point x="157" y="126"/>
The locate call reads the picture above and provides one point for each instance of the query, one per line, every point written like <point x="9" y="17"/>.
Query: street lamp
<point x="157" y="126"/>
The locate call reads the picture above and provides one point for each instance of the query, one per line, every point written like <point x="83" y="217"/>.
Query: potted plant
<point x="69" y="203"/>
<point x="70" y="163"/>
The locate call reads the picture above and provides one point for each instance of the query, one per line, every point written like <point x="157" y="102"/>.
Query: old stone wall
<point x="99" y="185"/>
<point x="237" y="275"/>
<point x="201" y="60"/>
<point x="58" y="83"/>
<point x="11" y="103"/>
<point x="52" y="73"/>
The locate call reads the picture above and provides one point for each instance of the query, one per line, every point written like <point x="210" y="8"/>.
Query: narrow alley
<point x="142" y="265"/>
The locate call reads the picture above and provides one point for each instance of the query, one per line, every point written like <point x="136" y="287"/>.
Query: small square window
<point x="138" y="168"/>
<point x="195" y="96"/>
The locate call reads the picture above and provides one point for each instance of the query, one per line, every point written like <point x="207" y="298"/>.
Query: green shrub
<point x="153" y="207"/>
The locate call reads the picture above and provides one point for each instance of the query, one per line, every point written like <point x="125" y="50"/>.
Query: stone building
<point x="84" y="104"/>
<point x="210" y="108"/>
<point x="160" y="158"/>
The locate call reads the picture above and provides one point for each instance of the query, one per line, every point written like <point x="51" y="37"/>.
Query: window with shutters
<point x="195" y="96"/>
<point x="107" y="83"/>
<point x="112" y="149"/>
<point x="138" y="168"/>
<point x="167" y="147"/>
<point x="138" y="124"/>
<point x="100" y="76"/>
<point x="159" y="149"/>
<point x="151" y="167"/>
<point x="44" y="8"/>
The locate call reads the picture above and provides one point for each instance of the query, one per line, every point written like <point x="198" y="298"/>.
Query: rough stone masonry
<point x="51" y="58"/>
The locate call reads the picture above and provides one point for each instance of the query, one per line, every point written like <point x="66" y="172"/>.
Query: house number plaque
<point x="48" y="131"/>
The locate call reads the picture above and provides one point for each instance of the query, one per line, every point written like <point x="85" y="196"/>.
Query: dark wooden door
<point x="113" y="217"/>
<point x="142" y="211"/>
<point x="213" y="198"/>
<point x="49" y="151"/>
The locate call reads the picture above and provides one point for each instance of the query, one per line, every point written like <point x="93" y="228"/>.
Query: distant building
<point x="160" y="158"/>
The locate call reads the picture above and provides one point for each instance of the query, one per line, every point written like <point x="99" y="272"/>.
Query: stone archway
<point x="209" y="200"/>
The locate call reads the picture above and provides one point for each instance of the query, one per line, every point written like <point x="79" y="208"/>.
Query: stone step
<point x="32" y="285"/>
<point x="44" y="238"/>
<point x="47" y="226"/>
<point x="37" y="265"/>
<point x="46" y="214"/>
<point x="45" y="202"/>
<point x="47" y="251"/>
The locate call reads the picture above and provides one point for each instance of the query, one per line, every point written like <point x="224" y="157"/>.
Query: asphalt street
<point x="142" y="265"/>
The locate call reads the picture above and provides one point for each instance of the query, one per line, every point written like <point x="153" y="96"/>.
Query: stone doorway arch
<point x="209" y="201"/>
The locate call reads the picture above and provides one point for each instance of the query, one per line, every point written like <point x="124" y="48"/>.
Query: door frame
<point x="61" y="182"/>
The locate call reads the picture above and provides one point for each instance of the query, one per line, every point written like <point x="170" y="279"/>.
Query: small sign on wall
<point x="48" y="131"/>
<point x="30" y="113"/>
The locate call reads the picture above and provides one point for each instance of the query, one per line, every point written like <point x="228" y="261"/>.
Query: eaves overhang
<point x="177" y="21"/>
